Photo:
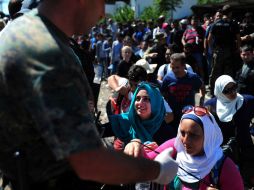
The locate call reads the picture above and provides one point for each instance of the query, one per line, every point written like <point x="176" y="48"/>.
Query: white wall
<point x="111" y="8"/>
<point x="184" y="10"/>
<point x="139" y="5"/>
<point x="4" y="6"/>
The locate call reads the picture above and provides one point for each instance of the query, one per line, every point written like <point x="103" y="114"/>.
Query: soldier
<point x="44" y="117"/>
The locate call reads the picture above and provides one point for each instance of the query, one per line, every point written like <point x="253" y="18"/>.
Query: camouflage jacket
<point x="43" y="99"/>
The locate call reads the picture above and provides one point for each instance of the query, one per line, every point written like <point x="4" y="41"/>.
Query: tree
<point x="164" y="6"/>
<point x="124" y="14"/>
<point x="150" y="13"/>
<point x="209" y="1"/>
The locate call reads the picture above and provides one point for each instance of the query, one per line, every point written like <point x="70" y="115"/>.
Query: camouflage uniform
<point x="43" y="99"/>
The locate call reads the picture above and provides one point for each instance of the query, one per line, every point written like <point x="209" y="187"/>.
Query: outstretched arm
<point x="107" y="166"/>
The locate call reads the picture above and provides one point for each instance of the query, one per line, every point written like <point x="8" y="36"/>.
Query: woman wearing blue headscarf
<point x="145" y="118"/>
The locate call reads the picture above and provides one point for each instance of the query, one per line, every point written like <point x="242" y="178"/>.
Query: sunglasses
<point x="230" y="90"/>
<point x="198" y="110"/>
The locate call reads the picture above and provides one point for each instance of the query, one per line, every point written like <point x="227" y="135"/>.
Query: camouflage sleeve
<point x="63" y="93"/>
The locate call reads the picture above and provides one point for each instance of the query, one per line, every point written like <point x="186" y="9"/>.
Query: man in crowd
<point x="223" y="35"/>
<point x="48" y="136"/>
<point x="245" y="76"/>
<point x="179" y="89"/>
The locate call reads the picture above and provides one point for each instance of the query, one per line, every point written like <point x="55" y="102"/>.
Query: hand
<point x="211" y="188"/>
<point x="118" y="145"/>
<point x="133" y="148"/>
<point x="151" y="145"/>
<point x="168" y="167"/>
<point x="153" y="55"/>
<point x="123" y="90"/>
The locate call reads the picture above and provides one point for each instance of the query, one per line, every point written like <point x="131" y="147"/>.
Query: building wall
<point x="140" y="5"/>
<point x="185" y="9"/>
<point x="4" y="6"/>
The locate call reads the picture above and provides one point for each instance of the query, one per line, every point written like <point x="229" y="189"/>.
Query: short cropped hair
<point x="178" y="57"/>
<point x="246" y="48"/>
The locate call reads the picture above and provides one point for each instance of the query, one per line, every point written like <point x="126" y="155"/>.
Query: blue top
<point x="127" y="126"/>
<point x="241" y="120"/>
<point x="180" y="92"/>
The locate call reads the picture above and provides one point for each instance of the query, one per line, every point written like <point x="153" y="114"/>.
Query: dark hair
<point x="137" y="73"/>
<point x="226" y="9"/>
<point x="194" y="17"/>
<point x="246" y="48"/>
<point x="178" y="57"/>
<point x="206" y="15"/>
<point x="14" y="6"/>
<point x="174" y="48"/>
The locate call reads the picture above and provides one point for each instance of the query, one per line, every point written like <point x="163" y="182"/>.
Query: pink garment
<point x="230" y="177"/>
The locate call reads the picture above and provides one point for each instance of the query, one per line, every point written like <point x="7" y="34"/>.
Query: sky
<point x="4" y="6"/>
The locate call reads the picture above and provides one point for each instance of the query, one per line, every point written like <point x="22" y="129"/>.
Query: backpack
<point x="165" y="70"/>
<point x="216" y="171"/>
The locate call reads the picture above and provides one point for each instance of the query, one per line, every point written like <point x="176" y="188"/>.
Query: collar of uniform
<point x="52" y="27"/>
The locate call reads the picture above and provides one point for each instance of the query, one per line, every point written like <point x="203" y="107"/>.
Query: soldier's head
<point x="73" y="17"/>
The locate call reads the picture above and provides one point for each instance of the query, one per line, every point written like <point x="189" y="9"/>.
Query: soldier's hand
<point x="168" y="167"/>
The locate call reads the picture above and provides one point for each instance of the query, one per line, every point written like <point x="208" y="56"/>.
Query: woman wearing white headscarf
<point x="233" y="113"/>
<point x="198" y="153"/>
<point x="232" y="110"/>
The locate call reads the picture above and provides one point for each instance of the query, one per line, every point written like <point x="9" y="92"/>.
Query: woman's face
<point x="126" y="54"/>
<point x="192" y="137"/>
<point x="143" y="105"/>
<point x="230" y="91"/>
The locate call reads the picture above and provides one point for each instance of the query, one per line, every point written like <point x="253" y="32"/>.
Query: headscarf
<point x="127" y="126"/>
<point x="226" y="108"/>
<point x="199" y="166"/>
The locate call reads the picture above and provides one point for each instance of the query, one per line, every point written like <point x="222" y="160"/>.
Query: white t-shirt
<point x="169" y="70"/>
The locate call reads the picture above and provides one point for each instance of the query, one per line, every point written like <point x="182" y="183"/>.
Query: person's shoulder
<point x="248" y="97"/>
<point x="211" y="102"/>
<point x="162" y="67"/>
<point x="169" y="77"/>
<point x="192" y="75"/>
<point x="28" y="33"/>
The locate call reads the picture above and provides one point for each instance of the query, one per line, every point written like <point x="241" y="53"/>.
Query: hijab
<point x="199" y="166"/>
<point x="127" y="126"/>
<point x="226" y="108"/>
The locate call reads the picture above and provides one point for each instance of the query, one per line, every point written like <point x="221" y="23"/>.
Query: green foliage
<point x="209" y="1"/>
<point x="150" y="13"/>
<point x="124" y="14"/>
<point x="167" y="5"/>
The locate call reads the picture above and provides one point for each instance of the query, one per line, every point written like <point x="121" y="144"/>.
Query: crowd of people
<point x="50" y="76"/>
<point x="179" y="58"/>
